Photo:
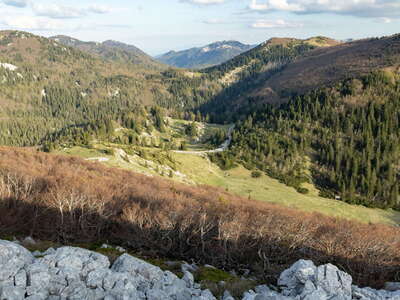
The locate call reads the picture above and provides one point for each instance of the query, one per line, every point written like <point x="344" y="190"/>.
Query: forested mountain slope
<point x="344" y="139"/>
<point x="322" y="66"/>
<point x="329" y="116"/>
<point x="250" y="70"/>
<point x="201" y="57"/>
<point x="112" y="50"/>
<point x="328" y="65"/>
<point x="47" y="86"/>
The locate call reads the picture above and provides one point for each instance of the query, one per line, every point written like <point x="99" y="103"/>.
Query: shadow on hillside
<point x="317" y="68"/>
<point x="179" y="242"/>
<point x="232" y="103"/>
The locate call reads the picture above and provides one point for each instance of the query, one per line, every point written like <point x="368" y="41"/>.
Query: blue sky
<point x="157" y="26"/>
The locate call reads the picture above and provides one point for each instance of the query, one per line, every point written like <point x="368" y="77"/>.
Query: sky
<point x="157" y="26"/>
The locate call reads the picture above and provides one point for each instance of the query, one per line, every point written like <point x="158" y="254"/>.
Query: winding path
<point x="224" y="146"/>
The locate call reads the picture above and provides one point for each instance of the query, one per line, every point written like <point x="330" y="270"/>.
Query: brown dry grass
<point x="67" y="199"/>
<point x="325" y="66"/>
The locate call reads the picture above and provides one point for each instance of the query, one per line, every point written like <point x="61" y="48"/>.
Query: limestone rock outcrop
<point x="70" y="273"/>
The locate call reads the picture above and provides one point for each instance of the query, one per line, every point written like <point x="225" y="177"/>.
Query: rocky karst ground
<point x="75" y="274"/>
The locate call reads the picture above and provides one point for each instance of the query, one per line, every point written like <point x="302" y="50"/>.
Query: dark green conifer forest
<point x="346" y="135"/>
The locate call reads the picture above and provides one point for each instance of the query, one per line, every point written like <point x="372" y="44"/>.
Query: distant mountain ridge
<point x="111" y="50"/>
<point x="207" y="56"/>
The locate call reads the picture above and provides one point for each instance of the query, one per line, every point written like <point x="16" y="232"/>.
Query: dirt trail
<point x="221" y="148"/>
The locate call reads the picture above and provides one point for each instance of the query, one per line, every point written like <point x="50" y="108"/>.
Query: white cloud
<point x="16" y="3"/>
<point x="31" y="23"/>
<point x="362" y="8"/>
<point x="57" y="11"/>
<point x="99" y="9"/>
<point x="268" y="5"/>
<point x="384" y="20"/>
<point x="214" y="21"/>
<point x="204" y="2"/>
<point x="274" y="24"/>
<point x="35" y="23"/>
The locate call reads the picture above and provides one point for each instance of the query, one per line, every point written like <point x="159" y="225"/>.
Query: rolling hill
<point x="47" y="86"/>
<point x="202" y="57"/>
<point x="327" y="116"/>
<point x="322" y="66"/>
<point x="244" y="74"/>
<point x="112" y="50"/>
<point x="324" y="94"/>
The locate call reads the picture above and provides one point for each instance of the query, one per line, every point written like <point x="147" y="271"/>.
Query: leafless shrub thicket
<point x="71" y="200"/>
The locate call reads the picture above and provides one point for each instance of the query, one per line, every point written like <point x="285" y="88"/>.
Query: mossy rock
<point x="41" y="246"/>
<point x="7" y="238"/>
<point x="210" y="278"/>
<point x="213" y="275"/>
<point x="161" y="263"/>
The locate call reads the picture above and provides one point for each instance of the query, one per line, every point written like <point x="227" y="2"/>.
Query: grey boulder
<point x="13" y="258"/>
<point x="70" y="273"/>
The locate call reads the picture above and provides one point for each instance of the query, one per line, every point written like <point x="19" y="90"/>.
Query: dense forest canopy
<point x="347" y="136"/>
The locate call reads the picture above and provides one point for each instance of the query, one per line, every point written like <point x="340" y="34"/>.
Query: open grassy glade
<point x="240" y="182"/>
<point x="67" y="199"/>
<point x="152" y="157"/>
<point x="198" y="169"/>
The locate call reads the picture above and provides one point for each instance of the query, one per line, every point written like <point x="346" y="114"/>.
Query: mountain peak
<point x="66" y="40"/>
<point x="111" y="50"/>
<point x="206" y="56"/>
<point x="114" y="43"/>
<point x="317" y="41"/>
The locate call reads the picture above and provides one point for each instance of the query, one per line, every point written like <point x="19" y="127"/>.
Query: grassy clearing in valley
<point x="177" y="129"/>
<point x="240" y="182"/>
<point x="198" y="169"/>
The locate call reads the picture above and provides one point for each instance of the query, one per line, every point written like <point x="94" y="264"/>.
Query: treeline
<point x="258" y="65"/>
<point x="59" y="109"/>
<point x="78" y="135"/>
<point x="208" y="92"/>
<point x="131" y="123"/>
<point x="132" y="127"/>
<point x="347" y="136"/>
<point x="259" y="57"/>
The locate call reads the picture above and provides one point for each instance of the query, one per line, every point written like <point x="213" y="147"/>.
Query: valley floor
<point x="198" y="169"/>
